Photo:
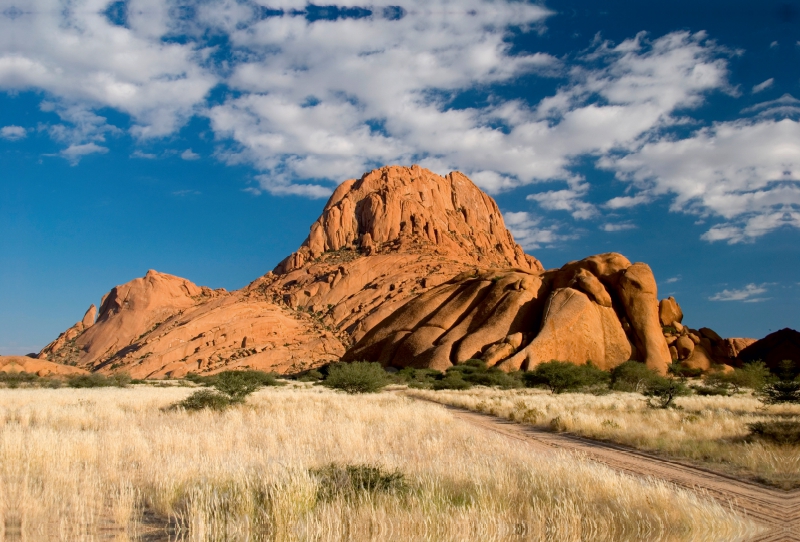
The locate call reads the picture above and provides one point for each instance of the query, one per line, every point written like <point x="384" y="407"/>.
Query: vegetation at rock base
<point x="23" y="379"/>
<point x="784" y="390"/>
<point x="662" y="391"/>
<point x="563" y="376"/>
<point x="631" y="376"/>
<point x="97" y="380"/>
<point x="356" y="377"/>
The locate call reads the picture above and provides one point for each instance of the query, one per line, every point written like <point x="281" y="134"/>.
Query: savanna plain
<point x="302" y="462"/>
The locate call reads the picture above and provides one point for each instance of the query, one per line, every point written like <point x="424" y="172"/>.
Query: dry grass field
<point x="708" y="430"/>
<point x="110" y="464"/>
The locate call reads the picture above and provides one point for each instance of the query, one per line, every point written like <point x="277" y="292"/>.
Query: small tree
<point x="753" y="375"/>
<point x="631" y="376"/>
<point x="662" y="391"/>
<point x="562" y="376"/>
<point x="786" y="389"/>
<point x="232" y="388"/>
<point x="356" y="377"/>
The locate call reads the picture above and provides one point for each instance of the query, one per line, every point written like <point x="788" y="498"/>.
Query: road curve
<point x="778" y="511"/>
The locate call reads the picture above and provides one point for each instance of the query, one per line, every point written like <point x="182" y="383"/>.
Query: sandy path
<point x="778" y="511"/>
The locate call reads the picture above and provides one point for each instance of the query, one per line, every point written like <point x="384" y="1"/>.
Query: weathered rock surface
<point x="566" y="314"/>
<point x="404" y="267"/>
<point x="163" y="325"/>
<point x="381" y="241"/>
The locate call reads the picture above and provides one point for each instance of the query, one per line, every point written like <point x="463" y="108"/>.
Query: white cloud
<point x="621" y="226"/>
<point x="763" y="86"/>
<point x="189" y="155"/>
<point x="74" y="153"/>
<point x="569" y="200"/>
<point x="72" y="51"/>
<point x="146" y="155"/>
<point x="748" y="294"/>
<point x="529" y="232"/>
<point x="13" y="133"/>
<point x="673" y="280"/>
<point x="785" y="106"/>
<point x="773" y="45"/>
<point x="745" y="172"/>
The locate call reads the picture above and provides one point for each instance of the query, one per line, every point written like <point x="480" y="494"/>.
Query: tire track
<point x="776" y="510"/>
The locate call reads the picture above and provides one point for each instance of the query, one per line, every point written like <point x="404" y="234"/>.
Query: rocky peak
<point x="409" y="209"/>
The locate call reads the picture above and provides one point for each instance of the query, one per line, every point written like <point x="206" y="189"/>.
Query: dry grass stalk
<point x="707" y="429"/>
<point x="88" y="464"/>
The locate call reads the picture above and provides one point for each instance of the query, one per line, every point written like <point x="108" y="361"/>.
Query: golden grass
<point x="91" y="464"/>
<point x="710" y="430"/>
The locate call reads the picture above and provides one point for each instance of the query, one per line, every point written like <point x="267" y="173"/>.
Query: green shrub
<point x="203" y="399"/>
<point x="477" y="373"/>
<point x="239" y="384"/>
<point x="453" y="380"/>
<point x="753" y="375"/>
<point x="13" y="380"/>
<point x="779" y="432"/>
<point x="677" y="368"/>
<point x="232" y="388"/>
<point x="563" y="376"/>
<point x="97" y="380"/>
<point x="631" y="376"/>
<point x="311" y="376"/>
<point x="662" y="391"/>
<point x="418" y="378"/>
<point x="351" y="481"/>
<point x="711" y="390"/>
<point x="784" y="390"/>
<point x="356" y="377"/>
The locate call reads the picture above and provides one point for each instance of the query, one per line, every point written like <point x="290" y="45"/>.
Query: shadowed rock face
<point x="783" y="344"/>
<point x="601" y="309"/>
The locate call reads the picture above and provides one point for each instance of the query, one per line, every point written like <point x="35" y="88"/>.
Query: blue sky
<point x="201" y="138"/>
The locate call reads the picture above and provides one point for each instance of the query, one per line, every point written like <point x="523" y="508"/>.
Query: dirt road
<point x="778" y="511"/>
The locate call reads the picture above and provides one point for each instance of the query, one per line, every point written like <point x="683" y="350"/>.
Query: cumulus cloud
<point x="74" y="153"/>
<point x="745" y="172"/>
<point x="763" y="86"/>
<point x="189" y="155"/>
<point x="13" y="133"/>
<point x="75" y="53"/>
<point x="309" y="102"/>
<point x="748" y="294"/>
<point x="529" y="231"/>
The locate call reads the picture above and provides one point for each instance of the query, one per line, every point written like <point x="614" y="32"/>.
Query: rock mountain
<point x="404" y="267"/>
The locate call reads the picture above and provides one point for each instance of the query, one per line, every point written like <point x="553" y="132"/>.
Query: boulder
<point x="684" y="347"/>
<point x="89" y="317"/>
<point x="710" y="334"/>
<point x="637" y="290"/>
<point x="673" y="353"/>
<point x="699" y="359"/>
<point x="574" y="329"/>
<point x="669" y="312"/>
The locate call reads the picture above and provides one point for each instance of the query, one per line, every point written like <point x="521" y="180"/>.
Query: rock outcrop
<point x="601" y="309"/>
<point x="380" y="241"/>
<point x="404" y="267"/>
<point x="162" y="325"/>
<point x="39" y="367"/>
<point x="783" y="344"/>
